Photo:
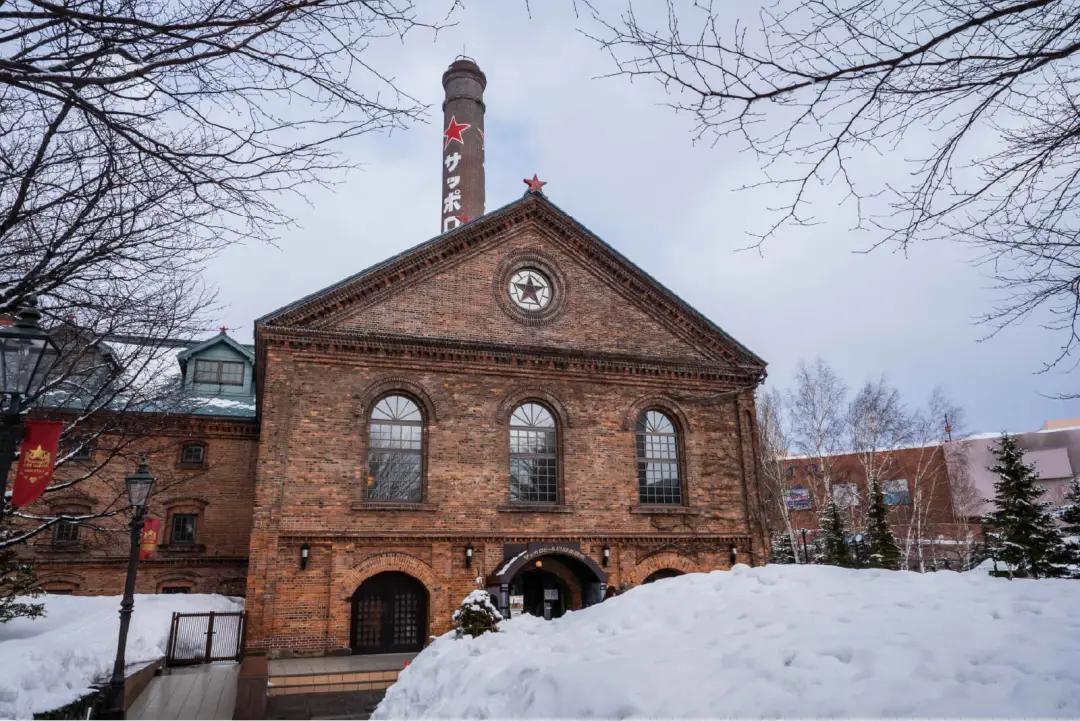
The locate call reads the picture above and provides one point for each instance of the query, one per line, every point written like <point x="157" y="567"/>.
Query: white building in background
<point x="1054" y="450"/>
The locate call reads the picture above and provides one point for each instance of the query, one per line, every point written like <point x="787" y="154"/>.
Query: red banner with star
<point x="37" y="460"/>
<point x="151" y="532"/>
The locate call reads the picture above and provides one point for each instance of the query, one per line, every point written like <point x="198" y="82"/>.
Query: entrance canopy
<point x="518" y="556"/>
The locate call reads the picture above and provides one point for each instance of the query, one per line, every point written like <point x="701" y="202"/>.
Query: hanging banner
<point x="150" y="534"/>
<point x="36" y="461"/>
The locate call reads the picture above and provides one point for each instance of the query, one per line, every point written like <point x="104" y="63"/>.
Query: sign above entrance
<point x="519" y="555"/>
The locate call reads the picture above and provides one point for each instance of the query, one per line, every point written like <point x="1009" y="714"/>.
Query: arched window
<point x="395" y="451"/>
<point x="534" y="465"/>
<point x="658" y="459"/>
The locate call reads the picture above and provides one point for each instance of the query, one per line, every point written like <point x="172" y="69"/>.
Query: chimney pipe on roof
<point x="462" y="196"/>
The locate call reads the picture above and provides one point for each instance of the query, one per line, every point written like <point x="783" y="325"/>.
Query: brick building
<point x="512" y="404"/>
<point x="918" y="486"/>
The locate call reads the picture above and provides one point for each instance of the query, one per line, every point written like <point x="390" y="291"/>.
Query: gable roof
<point x="489" y="224"/>
<point x="246" y="351"/>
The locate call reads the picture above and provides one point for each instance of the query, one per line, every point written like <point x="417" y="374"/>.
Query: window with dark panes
<point x="176" y="589"/>
<point x="81" y="449"/>
<point x="183" y="528"/>
<point x="395" y="451"/>
<point x="66" y="533"/>
<point x="229" y="373"/>
<point x="658" y="460"/>
<point x="534" y="465"/>
<point x="192" y="454"/>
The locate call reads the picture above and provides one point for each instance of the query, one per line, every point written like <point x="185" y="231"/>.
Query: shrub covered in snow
<point x="777" y="641"/>
<point x="477" y="615"/>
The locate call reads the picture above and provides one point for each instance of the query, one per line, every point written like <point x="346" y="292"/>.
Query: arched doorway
<point x="546" y="580"/>
<point x="543" y="593"/>
<point x="389" y="614"/>
<point x="661" y="575"/>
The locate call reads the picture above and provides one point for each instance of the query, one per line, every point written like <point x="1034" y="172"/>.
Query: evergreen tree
<point x="782" y="550"/>
<point x="880" y="541"/>
<point x="18" y="584"/>
<point x="477" y="615"/>
<point x="1069" y="515"/>
<point x="832" y="548"/>
<point x="1021" y="532"/>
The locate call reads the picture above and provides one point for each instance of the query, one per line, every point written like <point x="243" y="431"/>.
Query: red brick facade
<point x="431" y="326"/>
<point x="219" y="494"/>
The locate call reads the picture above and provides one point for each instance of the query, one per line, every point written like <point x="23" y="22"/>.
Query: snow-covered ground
<point x="51" y="661"/>
<point x="778" y="641"/>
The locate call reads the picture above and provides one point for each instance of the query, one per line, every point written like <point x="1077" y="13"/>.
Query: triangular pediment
<point x="454" y="287"/>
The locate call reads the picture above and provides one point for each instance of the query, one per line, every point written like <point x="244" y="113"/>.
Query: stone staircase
<point x="335" y="674"/>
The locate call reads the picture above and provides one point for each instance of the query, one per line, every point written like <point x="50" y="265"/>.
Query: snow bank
<point x="778" y="641"/>
<point x="51" y="661"/>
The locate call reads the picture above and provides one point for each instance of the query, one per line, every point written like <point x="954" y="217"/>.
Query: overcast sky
<point x="627" y="168"/>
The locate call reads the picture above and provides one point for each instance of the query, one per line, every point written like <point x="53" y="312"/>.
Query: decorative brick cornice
<point x="390" y="536"/>
<point x="345" y="344"/>
<point x="154" y="562"/>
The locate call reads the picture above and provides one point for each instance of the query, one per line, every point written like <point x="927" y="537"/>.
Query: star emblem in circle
<point x="529" y="290"/>
<point x="454" y="130"/>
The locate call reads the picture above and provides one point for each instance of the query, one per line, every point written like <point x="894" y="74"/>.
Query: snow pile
<point x="51" y="661"/>
<point x="778" y="641"/>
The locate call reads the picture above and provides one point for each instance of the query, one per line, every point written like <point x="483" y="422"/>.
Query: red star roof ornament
<point x="462" y="218"/>
<point x="535" y="184"/>
<point x="454" y="130"/>
<point x="224" y="330"/>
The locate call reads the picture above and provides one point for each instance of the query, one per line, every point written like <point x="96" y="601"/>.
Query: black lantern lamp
<point x="468" y="555"/>
<point x="305" y="554"/>
<point x="140" y="485"/>
<point x="734" y="554"/>
<point x="27" y="354"/>
<point x="605" y="555"/>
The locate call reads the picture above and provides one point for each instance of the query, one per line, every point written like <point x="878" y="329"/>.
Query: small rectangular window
<point x="193" y="454"/>
<point x="80" y="449"/>
<point x="58" y="591"/>
<point x="66" y="533"/>
<point x="896" y="492"/>
<point x="183" y="528"/>
<point x="845" y="495"/>
<point x="176" y="589"/>
<point x="228" y="373"/>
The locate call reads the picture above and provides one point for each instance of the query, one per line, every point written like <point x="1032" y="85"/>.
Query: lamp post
<point x="805" y="550"/>
<point x="27" y="354"/>
<point x="857" y="540"/>
<point x="139" y="486"/>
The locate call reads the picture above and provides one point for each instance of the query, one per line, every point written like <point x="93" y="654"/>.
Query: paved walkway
<point x="194" y="692"/>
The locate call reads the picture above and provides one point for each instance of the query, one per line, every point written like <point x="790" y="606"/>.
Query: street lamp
<point x="858" y="538"/>
<point x="27" y="354"/>
<point x="140" y="485"/>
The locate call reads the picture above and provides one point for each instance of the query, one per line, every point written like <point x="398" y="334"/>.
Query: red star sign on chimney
<point x="453" y="131"/>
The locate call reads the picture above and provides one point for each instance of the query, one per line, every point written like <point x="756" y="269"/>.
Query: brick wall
<point x="220" y="494"/>
<point x="317" y="392"/>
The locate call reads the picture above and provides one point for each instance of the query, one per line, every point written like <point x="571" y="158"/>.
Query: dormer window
<point x="226" y="373"/>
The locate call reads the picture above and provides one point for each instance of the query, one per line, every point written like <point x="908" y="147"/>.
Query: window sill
<point x="535" y="508"/>
<point x="69" y="547"/>
<point x="184" y="548"/>
<point x="664" y="510"/>
<point x="191" y="466"/>
<point x="392" y="506"/>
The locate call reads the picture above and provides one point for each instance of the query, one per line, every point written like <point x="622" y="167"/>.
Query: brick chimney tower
<point x="463" y="144"/>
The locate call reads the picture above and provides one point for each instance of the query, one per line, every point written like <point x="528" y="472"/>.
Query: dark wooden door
<point x="389" y="614"/>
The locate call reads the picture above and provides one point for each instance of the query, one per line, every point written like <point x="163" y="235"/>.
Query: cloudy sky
<point x="628" y="168"/>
